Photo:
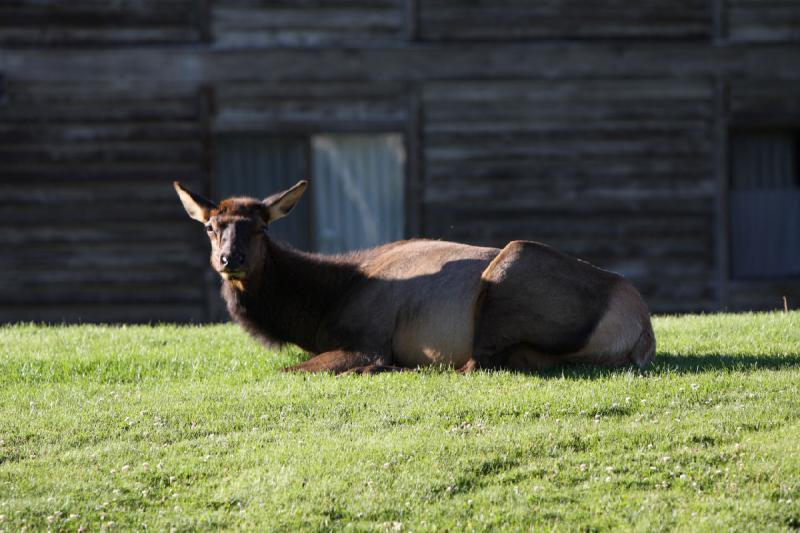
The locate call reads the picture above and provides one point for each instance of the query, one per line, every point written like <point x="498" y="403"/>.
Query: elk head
<point x="237" y="227"/>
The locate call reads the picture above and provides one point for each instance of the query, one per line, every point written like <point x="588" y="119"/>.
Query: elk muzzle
<point x="232" y="263"/>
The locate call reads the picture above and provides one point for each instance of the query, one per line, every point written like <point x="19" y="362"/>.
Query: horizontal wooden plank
<point x="541" y="179"/>
<point x="518" y="19"/>
<point x="763" y="20"/>
<point x="14" y="133"/>
<point x="756" y="102"/>
<point x="48" y="172"/>
<point x="312" y="4"/>
<point x="101" y="255"/>
<point x="763" y="295"/>
<point x="44" y="22"/>
<point x="675" y="296"/>
<point x="259" y="93"/>
<point x="641" y="148"/>
<point x="163" y="152"/>
<point x="18" y="112"/>
<point x="89" y="174"/>
<point x="96" y="35"/>
<point x="115" y="111"/>
<point x="104" y="313"/>
<point x="89" y="90"/>
<point x="89" y="193"/>
<point x="317" y="106"/>
<point x="319" y="113"/>
<point x="585" y="192"/>
<point x="563" y="127"/>
<point x="81" y="212"/>
<point x="132" y="294"/>
<point x="141" y="235"/>
<point x="688" y="255"/>
<point x="106" y="277"/>
<point x="569" y="90"/>
<point x="511" y="208"/>
<point x="143" y="9"/>
<point x="411" y="62"/>
<point x="305" y="24"/>
<point x="352" y="19"/>
<point x="630" y="170"/>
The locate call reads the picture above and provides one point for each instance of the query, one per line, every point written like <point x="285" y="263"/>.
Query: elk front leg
<point x="337" y="361"/>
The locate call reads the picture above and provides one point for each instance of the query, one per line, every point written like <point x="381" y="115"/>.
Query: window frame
<point x="736" y="294"/>
<point x="411" y="205"/>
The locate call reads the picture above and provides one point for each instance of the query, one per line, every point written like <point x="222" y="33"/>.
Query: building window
<point x="360" y="190"/>
<point x="765" y="204"/>
<point x="356" y="199"/>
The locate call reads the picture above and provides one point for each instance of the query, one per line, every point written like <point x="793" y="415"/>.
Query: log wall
<point x="600" y="127"/>
<point x="88" y="217"/>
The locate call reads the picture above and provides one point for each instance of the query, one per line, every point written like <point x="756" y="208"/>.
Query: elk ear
<point x="198" y="207"/>
<point x="279" y="204"/>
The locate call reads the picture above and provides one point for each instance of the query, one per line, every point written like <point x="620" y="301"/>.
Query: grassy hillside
<point x="195" y="428"/>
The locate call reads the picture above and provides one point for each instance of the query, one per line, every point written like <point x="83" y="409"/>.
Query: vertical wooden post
<point x="414" y="164"/>
<point x="412" y="20"/>
<point x="214" y="307"/>
<point x="204" y="21"/>
<point x="721" y="210"/>
<point x="719" y="25"/>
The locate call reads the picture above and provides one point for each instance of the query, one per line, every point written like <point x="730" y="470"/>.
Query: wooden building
<point x="656" y="138"/>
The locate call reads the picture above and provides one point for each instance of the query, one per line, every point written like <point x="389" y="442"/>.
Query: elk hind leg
<point x="336" y="361"/>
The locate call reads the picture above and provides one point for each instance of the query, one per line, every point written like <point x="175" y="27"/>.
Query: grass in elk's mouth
<point x="194" y="427"/>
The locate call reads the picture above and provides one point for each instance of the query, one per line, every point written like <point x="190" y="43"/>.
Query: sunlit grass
<point x="195" y="428"/>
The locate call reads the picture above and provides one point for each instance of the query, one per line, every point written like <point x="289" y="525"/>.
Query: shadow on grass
<point x="714" y="362"/>
<point x="686" y="364"/>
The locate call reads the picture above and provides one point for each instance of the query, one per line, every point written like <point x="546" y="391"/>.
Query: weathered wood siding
<point x="61" y="22"/>
<point x="599" y="126"/>
<point x="614" y="171"/>
<point x="762" y="103"/>
<point x="247" y="23"/>
<point x="524" y="19"/>
<point x="763" y="20"/>
<point x="91" y="226"/>
<point x="309" y="107"/>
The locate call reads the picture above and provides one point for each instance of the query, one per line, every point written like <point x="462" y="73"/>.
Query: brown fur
<point x="419" y="302"/>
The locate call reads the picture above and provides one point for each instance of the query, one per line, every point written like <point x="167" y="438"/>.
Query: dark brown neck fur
<point x="291" y="296"/>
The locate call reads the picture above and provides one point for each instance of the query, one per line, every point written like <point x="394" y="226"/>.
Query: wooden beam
<point x="415" y="62"/>
<point x="720" y="165"/>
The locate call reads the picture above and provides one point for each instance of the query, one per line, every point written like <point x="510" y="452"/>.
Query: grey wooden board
<point x="407" y="63"/>
<point x="242" y="23"/>
<point x="583" y="124"/>
<point x="87" y="202"/>
<point x="762" y="20"/>
<point x="522" y="19"/>
<point x="54" y="22"/>
<point x="579" y="164"/>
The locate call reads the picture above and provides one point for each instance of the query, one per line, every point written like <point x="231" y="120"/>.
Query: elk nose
<point x="231" y="261"/>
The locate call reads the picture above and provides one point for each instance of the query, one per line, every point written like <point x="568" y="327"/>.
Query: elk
<point x="419" y="302"/>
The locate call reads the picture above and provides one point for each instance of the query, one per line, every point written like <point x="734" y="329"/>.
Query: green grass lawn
<point x="195" y="428"/>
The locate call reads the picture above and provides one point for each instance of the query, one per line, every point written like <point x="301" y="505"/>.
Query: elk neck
<point x="290" y="297"/>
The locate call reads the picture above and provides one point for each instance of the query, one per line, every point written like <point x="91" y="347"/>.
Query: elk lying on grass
<point x="419" y="302"/>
